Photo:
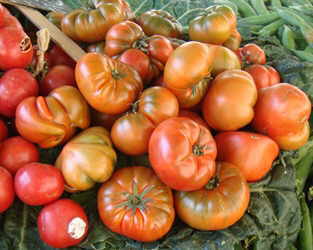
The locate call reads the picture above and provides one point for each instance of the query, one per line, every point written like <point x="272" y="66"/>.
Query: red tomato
<point x="3" y="131"/>
<point x="38" y="184"/>
<point x="15" y="152"/>
<point x="57" y="56"/>
<point x="6" y="189"/>
<point x="57" y="76"/>
<point x="252" y="153"/>
<point x="252" y="54"/>
<point x="193" y="116"/>
<point x="62" y="223"/>
<point x="15" y="86"/>
<point x="182" y="153"/>
<point x="103" y="119"/>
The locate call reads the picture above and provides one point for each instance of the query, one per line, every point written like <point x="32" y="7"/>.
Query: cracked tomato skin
<point x="182" y="153"/>
<point x="216" y="208"/>
<point x="136" y="204"/>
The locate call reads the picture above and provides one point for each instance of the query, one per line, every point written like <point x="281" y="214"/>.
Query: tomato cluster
<point x="211" y="115"/>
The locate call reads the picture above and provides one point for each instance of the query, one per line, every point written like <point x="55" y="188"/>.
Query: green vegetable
<point x="259" y="7"/>
<point x="227" y="3"/>
<point x="276" y="4"/>
<point x="304" y="55"/>
<point x="303" y="169"/>
<point x="270" y="29"/>
<point x="305" y="235"/>
<point x="288" y="38"/>
<point x="262" y="19"/>
<point x="244" y="8"/>
<point x="309" y="49"/>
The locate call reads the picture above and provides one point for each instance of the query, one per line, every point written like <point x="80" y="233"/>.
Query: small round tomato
<point x="57" y="56"/>
<point x="15" y="152"/>
<point x="6" y="189"/>
<point x="136" y="204"/>
<point x="182" y="153"/>
<point x="62" y="224"/>
<point x="3" y="130"/>
<point x="38" y="184"/>
<point x="263" y="76"/>
<point x="252" y="54"/>
<point x="217" y="207"/>
<point x="159" y="48"/>
<point x="193" y="116"/>
<point x="15" y="86"/>
<point x="57" y="76"/>
<point x="230" y="99"/>
<point x="252" y="153"/>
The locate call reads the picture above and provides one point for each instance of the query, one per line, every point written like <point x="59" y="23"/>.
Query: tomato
<point x="160" y="22"/>
<point x="234" y="41"/>
<point x="15" y="86"/>
<point x="263" y="76"/>
<point x="52" y="120"/>
<point x="103" y="119"/>
<point x="160" y="48"/>
<point x="252" y="54"/>
<point x="16" y="49"/>
<point x="282" y="112"/>
<point x="3" y="130"/>
<point x="131" y="133"/>
<point x="57" y="76"/>
<point x="193" y="116"/>
<point x="224" y="59"/>
<point x="108" y="85"/>
<point x="230" y="99"/>
<point x="182" y="153"/>
<point x="92" y="25"/>
<point x="57" y="56"/>
<point x="15" y="152"/>
<point x="77" y="159"/>
<point x="136" y="204"/>
<point x="214" y="25"/>
<point x="97" y="47"/>
<point x="252" y="153"/>
<point x="62" y="224"/>
<point x="38" y="184"/>
<point x="55" y="18"/>
<point x="7" y="193"/>
<point x="215" y="208"/>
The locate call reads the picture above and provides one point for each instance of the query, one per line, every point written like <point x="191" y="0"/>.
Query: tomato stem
<point x="116" y="74"/>
<point x="213" y="183"/>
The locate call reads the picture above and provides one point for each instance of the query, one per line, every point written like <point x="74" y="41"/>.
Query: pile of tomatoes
<point x="211" y="115"/>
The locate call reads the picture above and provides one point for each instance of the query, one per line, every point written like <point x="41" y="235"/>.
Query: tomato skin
<point x="38" y="184"/>
<point x="55" y="18"/>
<point x="214" y="25"/>
<point x="160" y="48"/>
<point x="15" y="152"/>
<point x="234" y="41"/>
<point x="3" y="130"/>
<point x="193" y="116"/>
<point x="7" y="193"/>
<point x="158" y="214"/>
<point x="57" y="76"/>
<point x="263" y="76"/>
<point x="182" y="153"/>
<point x="57" y="56"/>
<point x="252" y="153"/>
<point x="57" y="231"/>
<point x="103" y="119"/>
<point x="282" y="111"/>
<point x="252" y="54"/>
<point x="120" y="84"/>
<point x="232" y="88"/>
<point x="15" y="86"/>
<point x="160" y="22"/>
<point x="217" y="208"/>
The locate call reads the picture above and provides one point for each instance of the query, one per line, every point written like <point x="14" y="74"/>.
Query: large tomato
<point x="160" y="22"/>
<point x="87" y="159"/>
<point x="193" y="116"/>
<point x="92" y="25"/>
<point x="38" y="184"/>
<point x="182" y="153"/>
<point x="62" y="223"/>
<point x="15" y="86"/>
<point x="230" y="99"/>
<point x="252" y="153"/>
<point x="263" y="76"/>
<point x="131" y="132"/>
<point x="233" y="42"/>
<point x="15" y="152"/>
<point x="215" y="208"/>
<point x="3" y="130"/>
<point x="136" y="204"/>
<point x="108" y="85"/>
<point x="214" y="25"/>
<point x="7" y="193"/>
<point x="282" y="112"/>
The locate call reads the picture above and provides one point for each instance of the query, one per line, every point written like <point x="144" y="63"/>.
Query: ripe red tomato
<point x="6" y="189"/>
<point x="193" y="116"/>
<point x="57" y="76"/>
<point x="252" y="153"/>
<point x="15" y="152"/>
<point x="38" y="184"/>
<point x="136" y="204"/>
<point x="62" y="223"/>
<point x="57" y="56"/>
<point x="3" y="130"/>
<point x="182" y="153"/>
<point x="15" y="86"/>
<point x="252" y="54"/>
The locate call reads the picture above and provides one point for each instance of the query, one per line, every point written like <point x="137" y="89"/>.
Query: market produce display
<point x="186" y="125"/>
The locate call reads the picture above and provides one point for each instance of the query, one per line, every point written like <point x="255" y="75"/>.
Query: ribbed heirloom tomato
<point x="136" y="204"/>
<point x="182" y="153"/>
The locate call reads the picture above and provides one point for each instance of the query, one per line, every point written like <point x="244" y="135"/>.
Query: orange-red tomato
<point x="252" y="54"/>
<point x="193" y="116"/>
<point x="7" y="193"/>
<point x="182" y="153"/>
